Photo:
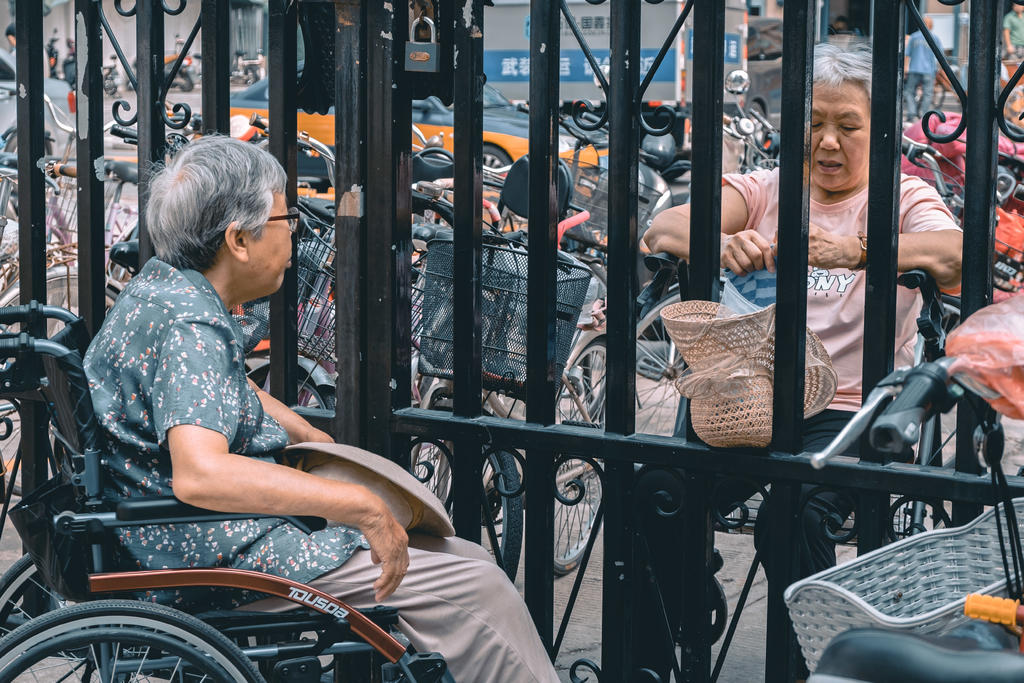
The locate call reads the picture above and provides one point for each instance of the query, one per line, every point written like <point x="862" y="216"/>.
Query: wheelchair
<point x="59" y="605"/>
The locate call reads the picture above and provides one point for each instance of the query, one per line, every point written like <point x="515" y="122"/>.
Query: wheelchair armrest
<point x="157" y="509"/>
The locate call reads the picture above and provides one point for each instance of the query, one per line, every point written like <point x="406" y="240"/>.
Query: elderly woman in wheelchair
<point x="173" y="413"/>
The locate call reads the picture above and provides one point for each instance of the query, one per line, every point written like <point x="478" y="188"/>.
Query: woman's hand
<point x="389" y="547"/>
<point x="747" y="251"/>
<point x="828" y="250"/>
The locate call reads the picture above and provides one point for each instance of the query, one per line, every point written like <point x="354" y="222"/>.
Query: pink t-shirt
<point x="835" y="298"/>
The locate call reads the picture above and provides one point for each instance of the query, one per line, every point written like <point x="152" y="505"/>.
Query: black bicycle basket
<point x="590" y="192"/>
<point x="502" y="315"/>
<point x="314" y="259"/>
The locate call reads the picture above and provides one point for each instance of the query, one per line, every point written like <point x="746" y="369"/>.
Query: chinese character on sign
<point x="733" y="50"/>
<point x="524" y="66"/>
<point x="598" y="23"/>
<point x="564" y="66"/>
<point x="645" y="64"/>
<point x="586" y="23"/>
<point x="509" y="66"/>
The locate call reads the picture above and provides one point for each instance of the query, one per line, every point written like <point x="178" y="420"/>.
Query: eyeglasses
<point x="292" y="217"/>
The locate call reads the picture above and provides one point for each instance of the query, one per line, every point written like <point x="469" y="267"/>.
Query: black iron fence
<point x="656" y="597"/>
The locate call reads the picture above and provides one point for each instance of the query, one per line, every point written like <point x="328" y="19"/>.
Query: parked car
<point x="56" y="89"/>
<point x="506" y="128"/>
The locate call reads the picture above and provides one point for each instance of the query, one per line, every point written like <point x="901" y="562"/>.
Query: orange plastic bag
<point x="989" y="347"/>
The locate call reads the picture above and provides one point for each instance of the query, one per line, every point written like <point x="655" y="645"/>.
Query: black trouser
<point x="816" y="550"/>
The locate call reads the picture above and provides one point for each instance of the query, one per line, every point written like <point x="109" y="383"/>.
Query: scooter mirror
<point x="737" y="82"/>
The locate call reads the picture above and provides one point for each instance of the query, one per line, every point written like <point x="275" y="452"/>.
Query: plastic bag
<point x="989" y="348"/>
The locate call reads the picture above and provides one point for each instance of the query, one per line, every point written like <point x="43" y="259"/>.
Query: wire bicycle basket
<point x="314" y="259"/>
<point x="590" y="193"/>
<point x="503" y="319"/>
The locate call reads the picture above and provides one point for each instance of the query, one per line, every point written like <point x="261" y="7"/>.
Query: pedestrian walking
<point x="921" y="67"/>
<point x="1013" y="32"/>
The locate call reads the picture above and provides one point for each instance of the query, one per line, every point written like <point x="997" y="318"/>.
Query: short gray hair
<point x="211" y="182"/>
<point x="835" y="66"/>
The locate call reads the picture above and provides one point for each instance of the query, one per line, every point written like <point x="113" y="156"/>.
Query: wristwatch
<point x="863" y="261"/>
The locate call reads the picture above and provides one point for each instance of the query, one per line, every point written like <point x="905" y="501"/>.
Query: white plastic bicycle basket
<point x="917" y="585"/>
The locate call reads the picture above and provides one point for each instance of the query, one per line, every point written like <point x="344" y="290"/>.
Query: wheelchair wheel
<point x="121" y="640"/>
<point x="17" y="604"/>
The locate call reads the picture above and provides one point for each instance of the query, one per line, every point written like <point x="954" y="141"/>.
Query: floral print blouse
<point x="169" y="353"/>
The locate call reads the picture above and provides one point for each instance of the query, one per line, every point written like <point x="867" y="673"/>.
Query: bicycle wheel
<point x="583" y="396"/>
<point x="121" y="640"/>
<point x="499" y="511"/>
<point x="658" y="366"/>
<point x="17" y="606"/>
<point x="309" y="394"/>
<point x="578" y="486"/>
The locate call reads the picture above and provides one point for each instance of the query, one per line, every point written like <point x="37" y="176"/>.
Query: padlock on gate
<point x="422" y="57"/>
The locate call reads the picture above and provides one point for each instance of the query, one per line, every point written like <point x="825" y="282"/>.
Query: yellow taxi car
<point x="506" y="128"/>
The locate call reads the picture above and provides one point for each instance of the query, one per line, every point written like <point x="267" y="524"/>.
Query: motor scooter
<point x="70" y="64"/>
<point x="51" y="54"/>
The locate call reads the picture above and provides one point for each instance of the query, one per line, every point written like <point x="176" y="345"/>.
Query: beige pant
<point x="454" y="600"/>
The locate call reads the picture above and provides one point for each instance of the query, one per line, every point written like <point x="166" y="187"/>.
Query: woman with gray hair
<point x="837" y="250"/>
<point x="168" y="383"/>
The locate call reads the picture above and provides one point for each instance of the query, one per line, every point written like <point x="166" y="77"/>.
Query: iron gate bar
<point x="469" y="121"/>
<point x="643" y="449"/>
<point x="790" y="323"/>
<point x="466" y="253"/>
<point x="149" y="40"/>
<point x="979" y="208"/>
<point x="216" y="63"/>
<point x="707" y="105"/>
<point x="89" y="137"/>
<point x="542" y="381"/>
<point x="396" y="160"/>
<point x="381" y="232"/>
<point x="281" y="91"/>
<point x="353" y="255"/>
<point x="31" y="215"/>
<point x="623" y="159"/>
<point x="705" y="184"/>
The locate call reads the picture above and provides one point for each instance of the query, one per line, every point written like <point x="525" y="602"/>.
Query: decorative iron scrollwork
<point x="181" y="113"/>
<point x="663" y="110"/>
<point x="735" y="514"/>
<point x="834" y="511"/>
<point x="907" y="515"/>
<point x="583" y="113"/>
<point x="954" y="80"/>
<point x="586" y="664"/>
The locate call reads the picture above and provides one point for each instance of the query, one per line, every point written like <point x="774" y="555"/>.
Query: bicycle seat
<point x="515" y="193"/>
<point x="126" y="255"/>
<point x="432" y="163"/>
<point x="125" y="171"/>
<point x="972" y="654"/>
<point x="428" y="231"/>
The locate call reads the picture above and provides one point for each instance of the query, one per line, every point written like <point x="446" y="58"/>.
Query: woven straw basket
<point x="731" y="420"/>
<point x="916" y="585"/>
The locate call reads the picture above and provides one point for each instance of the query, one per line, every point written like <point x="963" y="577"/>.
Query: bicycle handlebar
<point x="918" y="392"/>
<point x="24" y="312"/>
<point x="899" y="426"/>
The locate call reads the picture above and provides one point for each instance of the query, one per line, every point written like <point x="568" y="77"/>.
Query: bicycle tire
<point x="574" y="522"/>
<point x="500" y="473"/>
<point x="15" y="583"/>
<point x="505" y="477"/>
<point x="58" y="633"/>
<point x="308" y="394"/>
<point x="658" y="365"/>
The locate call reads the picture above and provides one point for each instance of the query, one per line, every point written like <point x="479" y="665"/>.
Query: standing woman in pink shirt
<point x="837" y="251"/>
